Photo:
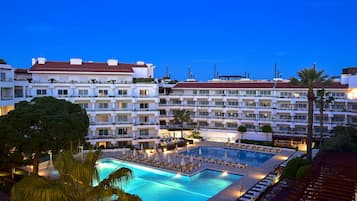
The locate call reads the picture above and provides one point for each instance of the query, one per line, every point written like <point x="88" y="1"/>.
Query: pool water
<point x="251" y="158"/>
<point x="156" y="185"/>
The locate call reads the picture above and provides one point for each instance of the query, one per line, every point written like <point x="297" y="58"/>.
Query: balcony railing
<point x="7" y="98"/>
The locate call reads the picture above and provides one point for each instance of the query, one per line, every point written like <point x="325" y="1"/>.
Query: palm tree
<point x="322" y="99"/>
<point x="182" y="117"/>
<point x="78" y="180"/>
<point x="310" y="78"/>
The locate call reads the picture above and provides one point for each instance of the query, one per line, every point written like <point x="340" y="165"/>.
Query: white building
<point x="218" y="107"/>
<point x="6" y="89"/>
<point x="121" y="99"/>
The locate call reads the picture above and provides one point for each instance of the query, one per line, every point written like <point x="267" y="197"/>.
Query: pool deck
<point x="250" y="175"/>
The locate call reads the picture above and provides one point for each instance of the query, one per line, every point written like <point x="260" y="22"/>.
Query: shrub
<point x="242" y="129"/>
<point x="2" y="61"/>
<point x="293" y="166"/>
<point x="267" y="129"/>
<point x="302" y="171"/>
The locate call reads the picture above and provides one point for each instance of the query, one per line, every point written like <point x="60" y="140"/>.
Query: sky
<point x="237" y="36"/>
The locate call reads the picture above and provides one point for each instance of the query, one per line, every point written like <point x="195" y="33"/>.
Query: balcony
<point x="5" y="98"/>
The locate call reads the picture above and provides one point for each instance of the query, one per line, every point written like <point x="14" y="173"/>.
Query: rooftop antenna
<point x="189" y="74"/>
<point x="167" y="72"/>
<point x="215" y="72"/>
<point x="275" y="71"/>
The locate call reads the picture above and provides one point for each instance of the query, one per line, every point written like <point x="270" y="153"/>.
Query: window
<point x="144" y="131"/>
<point x="144" y="105"/>
<point x="122" y="118"/>
<point x="102" y="92"/>
<point x="265" y="93"/>
<point x="219" y="103"/>
<point x="218" y="124"/>
<point x="122" y="92"/>
<point x="122" y="131"/>
<point x="203" y="113"/>
<point x="162" y="112"/>
<point x="250" y="92"/>
<point x="300" y="117"/>
<point x="83" y="92"/>
<point x="285" y="94"/>
<point x="144" y="92"/>
<point x="122" y="105"/>
<point x="62" y="92"/>
<point x="203" y="102"/>
<point x="84" y="105"/>
<point x="219" y="114"/>
<point x="233" y="103"/>
<point x="204" y="92"/>
<point x="144" y="119"/>
<point x="301" y="106"/>
<point x="232" y="114"/>
<point x="2" y="77"/>
<point x="41" y="92"/>
<point x="19" y="92"/>
<point x="190" y="102"/>
<point x="102" y="118"/>
<point x="103" y="105"/>
<point x="232" y="125"/>
<point x="219" y="92"/>
<point x="103" y="131"/>
<point x="285" y="116"/>
<point x="233" y="92"/>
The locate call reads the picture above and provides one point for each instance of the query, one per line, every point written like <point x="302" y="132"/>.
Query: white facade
<point x="120" y="112"/>
<point x="225" y="105"/>
<point x="6" y="89"/>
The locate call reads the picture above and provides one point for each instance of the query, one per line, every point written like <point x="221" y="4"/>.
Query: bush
<point x="264" y="143"/>
<point x="242" y="129"/>
<point x="293" y="166"/>
<point x="302" y="171"/>
<point x="2" y="61"/>
<point x="267" y="129"/>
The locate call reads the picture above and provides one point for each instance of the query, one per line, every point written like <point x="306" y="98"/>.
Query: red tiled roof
<point x="85" y="67"/>
<point x="233" y="85"/>
<point x="21" y="70"/>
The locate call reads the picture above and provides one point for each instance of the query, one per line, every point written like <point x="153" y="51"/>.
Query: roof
<point x="85" y="67"/>
<point x="252" y="85"/>
<point x="21" y="70"/>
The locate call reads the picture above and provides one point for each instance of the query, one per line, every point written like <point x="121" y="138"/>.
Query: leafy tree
<point x="344" y="140"/>
<point x="293" y="166"/>
<point x="78" y="180"/>
<point x="242" y="129"/>
<point x="44" y="123"/>
<point x="322" y="99"/>
<point x="2" y="61"/>
<point x="310" y="78"/>
<point x="181" y="117"/>
<point x="267" y="129"/>
<point x="300" y="173"/>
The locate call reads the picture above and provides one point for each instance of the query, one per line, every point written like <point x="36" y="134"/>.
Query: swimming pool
<point x="156" y="185"/>
<point x="251" y="158"/>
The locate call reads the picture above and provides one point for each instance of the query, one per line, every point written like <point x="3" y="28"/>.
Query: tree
<point x="242" y="129"/>
<point x="2" y="61"/>
<point x="310" y="78"/>
<point x="181" y="117"/>
<point x="78" y="180"/>
<point x="322" y="99"/>
<point x="44" y="123"/>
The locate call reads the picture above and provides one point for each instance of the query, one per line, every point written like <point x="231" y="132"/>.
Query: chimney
<point x="75" y="61"/>
<point x="112" y="62"/>
<point x="34" y="61"/>
<point x="41" y="60"/>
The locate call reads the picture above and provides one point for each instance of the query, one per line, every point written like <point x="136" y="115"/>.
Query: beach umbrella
<point x="225" y="155"/>
<point x="134" y="152"/>
<point x="199" y="151"/>
<point x="157" y="157"/>
<point x="183" y="162"/>
<point x="123" y="152"/>
<point x="191" y="158"/>
<point x="141" y="146"/>
<point x="168" y="159"/>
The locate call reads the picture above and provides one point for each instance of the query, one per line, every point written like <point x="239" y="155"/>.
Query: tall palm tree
<point x="182" y="117"/>
<point x="310" y="78"/>
<point x="322" y="99"/>
<point x="78" y="181"/>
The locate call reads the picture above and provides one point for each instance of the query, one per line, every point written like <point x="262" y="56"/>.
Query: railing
<point x="7" y="97"/>
<point x="6" y="80"/>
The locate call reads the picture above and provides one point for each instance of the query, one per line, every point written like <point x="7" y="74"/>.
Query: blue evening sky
<point x="238" y="36"/>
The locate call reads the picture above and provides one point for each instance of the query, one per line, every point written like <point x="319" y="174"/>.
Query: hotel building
<point x="125" y="106"/>
<point x="121" y="99"/>
<point x="218" y="107"/>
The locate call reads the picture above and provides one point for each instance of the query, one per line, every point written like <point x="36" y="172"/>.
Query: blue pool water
<point x="252" y="158"/>
<point x="156" y="185"/>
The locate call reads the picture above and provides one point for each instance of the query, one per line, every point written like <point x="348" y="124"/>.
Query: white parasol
<point x="134" y="153"/>
<point x="199" y="151"/>
<point x="191" y="158"/>
<point x="225" y="155"/>
<point x="168" y="159"/>
<point x="183" y="163"/>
